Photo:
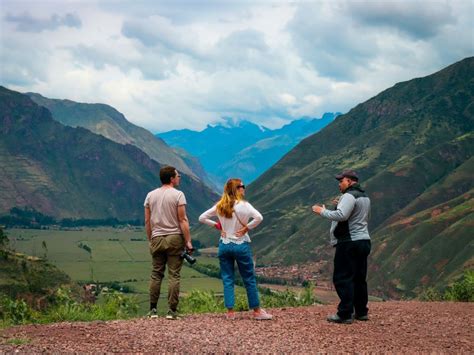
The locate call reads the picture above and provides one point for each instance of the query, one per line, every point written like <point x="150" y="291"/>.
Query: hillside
<point x="70" y="172"/>
<point x="26" y="277"/>
<point x="239" y="148"/>
<point x="394" y="327"/>
<point x="105" y="120"/>
<point x="412" y="145"/>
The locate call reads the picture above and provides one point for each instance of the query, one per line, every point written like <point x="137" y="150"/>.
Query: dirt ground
<point x="401" y="327"/>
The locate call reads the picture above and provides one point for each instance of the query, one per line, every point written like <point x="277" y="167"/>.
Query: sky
<point x="186" y="64"/>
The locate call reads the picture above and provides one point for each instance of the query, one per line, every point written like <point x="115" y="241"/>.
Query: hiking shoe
<point x="334" y="318"/>
<point x="152" y="314"/>
<point x="172" y="315"/>
<point x="262" y="315"/>
<point x="362" y="318"/>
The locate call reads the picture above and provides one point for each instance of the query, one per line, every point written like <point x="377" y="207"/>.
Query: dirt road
<point x="402" y="327"/>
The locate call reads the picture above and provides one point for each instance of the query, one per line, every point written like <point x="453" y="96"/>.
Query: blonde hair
<point x="225" y="206"/>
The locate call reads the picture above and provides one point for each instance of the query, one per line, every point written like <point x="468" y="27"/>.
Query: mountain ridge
<point x="70" y="172"/>
<point x="105" y="120"/>
<point x="413" y="136"/>
<point x="240" y="148"/>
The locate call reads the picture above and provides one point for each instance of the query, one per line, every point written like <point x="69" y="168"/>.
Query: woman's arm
<point x="206" y="217"/>
<point x="256" y="216"/>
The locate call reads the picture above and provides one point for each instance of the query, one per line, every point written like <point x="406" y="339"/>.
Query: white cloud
<point x="183" y="64"/>
<point x="287" y="99"/>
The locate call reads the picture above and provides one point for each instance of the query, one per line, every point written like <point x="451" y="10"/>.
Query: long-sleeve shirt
<point x="353" y="210"/>
<point x="244" y="210"/>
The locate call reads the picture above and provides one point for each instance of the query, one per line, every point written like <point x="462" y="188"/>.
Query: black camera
<point x="189" y="258"/>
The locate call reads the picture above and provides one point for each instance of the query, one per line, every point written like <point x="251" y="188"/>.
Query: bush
<point x="14" y="311"/>
<point x="430" y="294"/>
<point x="289" y="298"/>
<point x="66" y="308"/>
<point x="463" y="289"/>
<point x="201" y="302"/>
<point x="208" y="302"/>
<point x="115" y="306"/>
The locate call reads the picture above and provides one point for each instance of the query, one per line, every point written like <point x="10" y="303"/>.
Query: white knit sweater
<point x="244" y="210"/>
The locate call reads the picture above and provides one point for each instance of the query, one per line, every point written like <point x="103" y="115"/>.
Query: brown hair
<point x="225" y="206"/>
<point x="167" y="173"/>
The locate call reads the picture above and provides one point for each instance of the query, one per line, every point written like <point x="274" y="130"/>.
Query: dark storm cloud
<point x="334" y="48"/>
<point x="420" y="20"/>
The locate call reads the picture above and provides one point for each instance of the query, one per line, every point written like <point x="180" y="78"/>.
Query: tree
<point x="3" y="239"/>
<point x="45" y="249"/>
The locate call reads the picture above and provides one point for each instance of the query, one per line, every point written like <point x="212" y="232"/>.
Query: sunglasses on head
<point x="241" y="186"/>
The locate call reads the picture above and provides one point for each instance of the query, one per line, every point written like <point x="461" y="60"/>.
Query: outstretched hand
<point x="318" y="209"/>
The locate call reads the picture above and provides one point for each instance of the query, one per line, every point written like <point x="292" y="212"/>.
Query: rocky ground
<point x="401" y="327"/>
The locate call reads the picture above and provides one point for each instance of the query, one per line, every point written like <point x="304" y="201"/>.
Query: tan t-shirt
<point x="163" y="203"/>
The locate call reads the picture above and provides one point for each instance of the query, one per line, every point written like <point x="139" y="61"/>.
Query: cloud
<point x="184" y="64"/>
<point x="329" y="41"/>
<point x="420" y="20"/>
<point x="19" y="69"/>
<point x="26" y="23"/>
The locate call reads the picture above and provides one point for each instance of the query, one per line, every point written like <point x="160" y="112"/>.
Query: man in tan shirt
<point x="167" y="229"/>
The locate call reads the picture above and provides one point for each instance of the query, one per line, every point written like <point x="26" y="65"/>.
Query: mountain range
<point x="239" y="148"/>
<point x="107" y="121"/>
<point x="68" y="172"/>
<point x="412" y="145"/>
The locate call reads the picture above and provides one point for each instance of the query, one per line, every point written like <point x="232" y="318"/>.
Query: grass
<point x="17" y="341"/>
<point x="119" y="255"/>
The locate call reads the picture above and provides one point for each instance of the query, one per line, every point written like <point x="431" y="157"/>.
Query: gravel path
<point x="402" y="327"/>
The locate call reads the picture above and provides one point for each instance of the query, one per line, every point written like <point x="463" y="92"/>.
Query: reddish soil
<point x="401" y="327"/>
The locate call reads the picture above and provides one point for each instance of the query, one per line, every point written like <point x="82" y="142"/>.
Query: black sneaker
<point x="362" y="318"/>
<point x="334" y="318"/>
<point x="173" y="315"/>
<point x="153" y="313"/>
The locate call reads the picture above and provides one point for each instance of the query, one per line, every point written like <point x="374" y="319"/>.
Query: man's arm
<point x="184" y="225"/>
<point x="147" y="223"/>
<point x="343" y="211"/>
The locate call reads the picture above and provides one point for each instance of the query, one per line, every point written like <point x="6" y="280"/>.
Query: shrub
<point x="14" y="311"/>
<point x="289" y="298"/>
<point x="463" y="289"/>
<point x="430" y="294"/>
<point x="201" y="302"/>
<point x="115" y="306"/>
<point x="66" y="308"/>
<point x="207" y="302"/>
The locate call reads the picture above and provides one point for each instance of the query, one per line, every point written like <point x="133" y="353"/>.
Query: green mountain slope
<point x="28" y="277"/>
<point x="412" y="145"/>
<point x="107" y="121"/>
<point x="428" y="248"/>
<point x="70" y="172"/>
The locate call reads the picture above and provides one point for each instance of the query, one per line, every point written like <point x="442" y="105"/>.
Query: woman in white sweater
<point x="233" y="214"/>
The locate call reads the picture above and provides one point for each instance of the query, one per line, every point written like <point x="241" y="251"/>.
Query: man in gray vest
<point x="350" y="236"/>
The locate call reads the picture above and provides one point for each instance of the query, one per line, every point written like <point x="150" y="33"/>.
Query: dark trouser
<point x="350" y="273"/>
<point x="166" y="250"/>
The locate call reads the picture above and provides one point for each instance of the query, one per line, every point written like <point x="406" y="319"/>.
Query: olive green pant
<point x="166" y="250"/>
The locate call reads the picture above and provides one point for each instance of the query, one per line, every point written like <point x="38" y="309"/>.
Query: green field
<point x="119" y="255"/>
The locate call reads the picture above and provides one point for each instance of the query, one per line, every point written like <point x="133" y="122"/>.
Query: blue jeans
<point x="242" y="254"/>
